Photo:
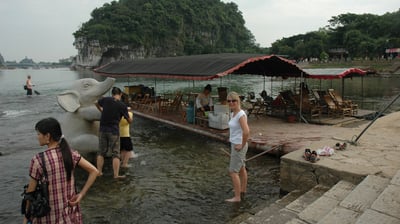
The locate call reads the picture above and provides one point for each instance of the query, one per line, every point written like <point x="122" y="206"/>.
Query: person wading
<point x="29" y="86"/>
<point x="112" y="109"/>
<point x="238" y="135"/>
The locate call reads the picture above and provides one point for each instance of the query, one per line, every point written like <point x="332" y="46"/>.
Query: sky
<point x="42" y="29"/>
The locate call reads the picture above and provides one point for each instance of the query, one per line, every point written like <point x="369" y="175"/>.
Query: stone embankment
<point x="360" y="184"/>
<point x="374" y="200"/>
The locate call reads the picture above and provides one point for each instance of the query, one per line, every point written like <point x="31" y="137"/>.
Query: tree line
<point x="347" y="35"/>
<point x="188" y="27"/>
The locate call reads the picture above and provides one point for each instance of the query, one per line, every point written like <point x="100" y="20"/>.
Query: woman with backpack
<point x="60" y="163"/>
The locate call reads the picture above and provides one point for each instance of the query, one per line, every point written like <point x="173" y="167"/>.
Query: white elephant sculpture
<point x="80" y="122"/>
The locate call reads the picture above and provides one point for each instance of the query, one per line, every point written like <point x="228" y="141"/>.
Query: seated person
<point x="265" y="97"/>
<point x="204" y="100"/>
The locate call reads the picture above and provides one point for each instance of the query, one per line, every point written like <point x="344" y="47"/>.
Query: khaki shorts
<point x="109" y="141"/>
<point x="238" y="158"/>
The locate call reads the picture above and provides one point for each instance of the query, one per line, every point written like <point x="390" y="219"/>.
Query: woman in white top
<point x="238" y="135"/>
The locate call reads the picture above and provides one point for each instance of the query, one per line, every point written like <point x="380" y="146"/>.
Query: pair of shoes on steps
<point x="314" y="157"/>
<point x="311" y="156"/>
<point x="342" y="146"/>
<point x="307" y="154"/>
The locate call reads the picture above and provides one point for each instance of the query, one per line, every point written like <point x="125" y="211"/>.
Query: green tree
<point x="170" y="27"/>
<point x="362" y="35"/>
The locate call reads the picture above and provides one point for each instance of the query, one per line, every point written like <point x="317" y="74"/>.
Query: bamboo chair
<point x="176" y="104"/>
<point x="307" y="107"/>
<point x="163" y="105"/>
<point x="258" y="108"/>
<point x="287" y="99"/>
<point x="166" y="105"/>
<point x="334" y="109"/>
<point x="146" y="103"/>
<point x="136" y="102"/>
<point x="343" y="103"/>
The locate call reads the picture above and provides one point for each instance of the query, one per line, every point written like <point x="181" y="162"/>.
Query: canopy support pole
<point x="301" y="118"/>
<point x="343" y="88"/>
<point x="362" y="91"/>
<point x="155" y="87"/>
<point x="264" y="82"/>
<point x="271" y="86"/>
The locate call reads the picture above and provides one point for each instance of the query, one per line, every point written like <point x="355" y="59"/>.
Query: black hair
<point x="52" y="126"/>
<point x="116" y="91"/>
<point x="208" y="87"/>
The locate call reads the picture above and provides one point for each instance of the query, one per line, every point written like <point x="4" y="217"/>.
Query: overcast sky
<point x="42" y="29"/>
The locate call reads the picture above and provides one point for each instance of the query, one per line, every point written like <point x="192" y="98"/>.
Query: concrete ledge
<point x="296" y="173"/>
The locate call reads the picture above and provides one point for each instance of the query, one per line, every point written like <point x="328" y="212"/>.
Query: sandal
<point x="307" y="154"/>
<point x="314" y="157"/>
<point x="337" y="146"/>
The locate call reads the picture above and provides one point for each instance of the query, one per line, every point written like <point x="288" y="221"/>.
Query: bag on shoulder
<point x="25" y="87"/>
<point x="39" y="205"/>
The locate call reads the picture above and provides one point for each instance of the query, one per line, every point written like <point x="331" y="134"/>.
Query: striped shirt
<point x="60" y="190"/>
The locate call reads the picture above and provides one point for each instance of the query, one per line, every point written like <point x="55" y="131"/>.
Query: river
<point x="178" y="177"/>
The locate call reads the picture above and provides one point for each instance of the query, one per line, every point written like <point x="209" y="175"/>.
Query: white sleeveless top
<point x="235" y="130"/>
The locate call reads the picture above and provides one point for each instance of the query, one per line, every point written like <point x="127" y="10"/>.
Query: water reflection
<point x="177" y="178"/>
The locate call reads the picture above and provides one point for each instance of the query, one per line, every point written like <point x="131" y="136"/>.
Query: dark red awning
<point x="203" y="67"/>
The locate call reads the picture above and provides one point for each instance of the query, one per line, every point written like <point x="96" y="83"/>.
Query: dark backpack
<point x="39" y="199"/>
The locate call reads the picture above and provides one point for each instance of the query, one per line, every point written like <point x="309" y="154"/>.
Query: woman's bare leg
<point x="236" y="187"/>
<point x="243" y="179"/>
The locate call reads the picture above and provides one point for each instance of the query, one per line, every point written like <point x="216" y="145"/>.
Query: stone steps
<point x="373" y="200"/>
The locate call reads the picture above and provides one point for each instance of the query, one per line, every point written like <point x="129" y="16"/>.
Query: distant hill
<point x="130" y="29"/>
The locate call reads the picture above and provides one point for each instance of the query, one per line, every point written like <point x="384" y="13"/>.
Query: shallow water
<point x="177" y="178"/>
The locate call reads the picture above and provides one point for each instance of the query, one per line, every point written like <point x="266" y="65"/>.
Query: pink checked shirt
<point x="60" y="190"/>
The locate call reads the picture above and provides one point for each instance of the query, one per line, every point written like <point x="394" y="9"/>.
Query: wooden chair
<point x="343" y="103"/>
<point x="287" y="99"/>
<point x="146" y="104"/>
<point x="308" y="108"/>
<point x="334" y="109"/>
<point x="257" y="108"/>
<point x="163" y="105"/>
<point x="176" y="104"/>
<point x="166" y="105"/>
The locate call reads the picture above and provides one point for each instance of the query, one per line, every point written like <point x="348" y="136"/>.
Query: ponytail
<point x="67" y="157"/>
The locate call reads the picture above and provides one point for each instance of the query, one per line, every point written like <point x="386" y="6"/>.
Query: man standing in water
<point x="112" y="109"/>
<point x="29" y="86"/>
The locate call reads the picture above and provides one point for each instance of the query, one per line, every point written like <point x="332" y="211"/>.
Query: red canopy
<point x="334" y="73"/>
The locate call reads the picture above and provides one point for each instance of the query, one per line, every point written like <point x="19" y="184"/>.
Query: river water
<point x="178" y="177"/>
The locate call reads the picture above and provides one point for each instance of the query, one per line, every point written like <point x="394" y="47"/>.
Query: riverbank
<point x="380" y="67"/>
